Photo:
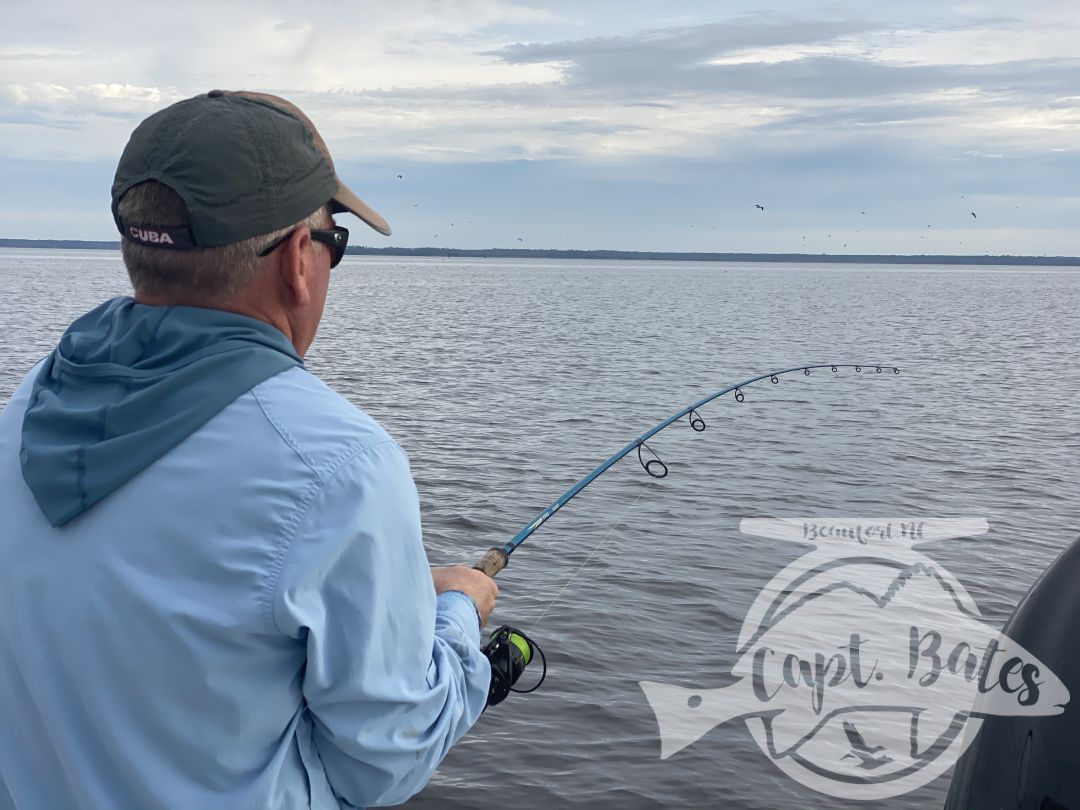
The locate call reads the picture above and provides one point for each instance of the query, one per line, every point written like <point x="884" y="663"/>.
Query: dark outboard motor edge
<point x="1033" y="763"/>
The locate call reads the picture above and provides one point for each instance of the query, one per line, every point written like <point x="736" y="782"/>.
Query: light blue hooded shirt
<point x="213" y="591"/>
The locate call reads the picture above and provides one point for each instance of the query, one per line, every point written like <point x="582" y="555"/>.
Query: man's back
<point x="221" y="631"/>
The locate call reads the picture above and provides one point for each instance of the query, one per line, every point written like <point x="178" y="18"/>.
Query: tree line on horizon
<point x="632" y="255"/>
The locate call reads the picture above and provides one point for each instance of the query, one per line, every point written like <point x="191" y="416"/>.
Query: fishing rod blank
<point x="497" y="557"/>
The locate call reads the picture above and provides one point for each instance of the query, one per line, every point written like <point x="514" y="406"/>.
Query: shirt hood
<point x="126" y="384"/>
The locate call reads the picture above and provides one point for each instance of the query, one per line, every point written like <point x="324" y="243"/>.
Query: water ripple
<point x="508" y="381"/>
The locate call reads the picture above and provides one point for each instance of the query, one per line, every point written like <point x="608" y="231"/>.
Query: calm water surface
<point x="507" y="381"/>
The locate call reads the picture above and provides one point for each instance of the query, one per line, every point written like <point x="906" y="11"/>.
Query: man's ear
<point x="295" y="266"/>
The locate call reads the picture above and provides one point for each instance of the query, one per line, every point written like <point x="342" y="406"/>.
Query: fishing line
<point x="644" y="485"/>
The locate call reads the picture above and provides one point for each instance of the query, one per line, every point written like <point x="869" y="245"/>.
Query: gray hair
<point x="201" y="274"/>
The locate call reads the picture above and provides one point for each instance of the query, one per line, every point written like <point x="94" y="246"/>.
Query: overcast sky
<point x="870" y="127"/>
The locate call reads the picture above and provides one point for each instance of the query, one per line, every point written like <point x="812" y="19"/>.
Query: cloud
<point x="200" y="44"/>
<point x="615" y="87"/>
<point x="715" y="110"/>
<point x="781" y="60"/>
<point x="439" y="80"/>
<point x="685" y="45"/>
<point x="41" y="95"/>
<point x="809" y="92"/>
<point x="105" y="70"/>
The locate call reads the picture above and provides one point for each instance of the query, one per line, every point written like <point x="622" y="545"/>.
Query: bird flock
<point x="975" y="216"/>
<point x="467" y="222"/>
<point x="760" y="207"/>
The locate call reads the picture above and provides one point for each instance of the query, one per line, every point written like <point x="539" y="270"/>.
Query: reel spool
<point x="510" y="651"/>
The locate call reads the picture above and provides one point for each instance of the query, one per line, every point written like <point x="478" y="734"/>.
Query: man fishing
<point x="214" y="592"/>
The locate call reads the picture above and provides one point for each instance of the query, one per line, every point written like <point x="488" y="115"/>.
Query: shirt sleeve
<point x="394" y="676"/>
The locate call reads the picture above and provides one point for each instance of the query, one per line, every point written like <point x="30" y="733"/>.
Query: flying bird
<point x="520" y="239"/>
<point x="863" y="752"/>
<point x="757" y="205"/>
<point x="973" y="214"/>
<point x="400" y="177"/>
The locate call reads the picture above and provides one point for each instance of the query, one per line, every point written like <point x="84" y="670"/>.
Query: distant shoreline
<point x="625" y="255"/>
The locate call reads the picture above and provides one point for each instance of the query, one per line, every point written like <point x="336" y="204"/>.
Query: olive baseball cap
<point x="243" y="163"/>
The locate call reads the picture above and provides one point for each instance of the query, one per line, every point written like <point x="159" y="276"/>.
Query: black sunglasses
<point x="336" y="238"/>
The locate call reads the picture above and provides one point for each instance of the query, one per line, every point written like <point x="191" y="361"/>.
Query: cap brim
<point x="346" y="200"/>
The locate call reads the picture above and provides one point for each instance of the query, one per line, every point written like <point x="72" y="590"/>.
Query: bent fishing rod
<point x="509" y="650"/>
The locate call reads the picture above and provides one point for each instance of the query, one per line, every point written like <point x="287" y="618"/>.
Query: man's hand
<point x="477" y="585"/>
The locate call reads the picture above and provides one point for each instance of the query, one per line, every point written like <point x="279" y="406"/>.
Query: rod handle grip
<point x="494" y="561"/>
